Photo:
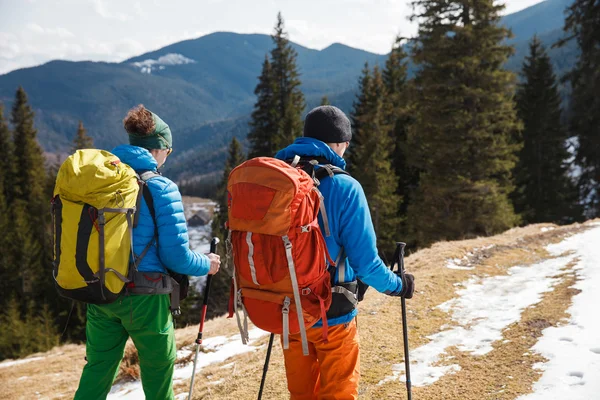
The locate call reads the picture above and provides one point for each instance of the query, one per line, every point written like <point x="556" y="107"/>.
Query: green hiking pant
<point x="147" y="319"/>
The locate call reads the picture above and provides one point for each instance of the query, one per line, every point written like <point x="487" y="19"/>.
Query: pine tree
<point x="264" y="125"/>
<point x="325" y="101"/>
<point x="462" y="139"/>
<point x="399" y="116"/>
<point x="277" y="117"/>
<point x="370" y="159"/>
<point x="30" y="210"/>
<point x="234" y="158"/>
<point x="6" y="266"/>
<point x="544" y="192"/>
<point x="9" y="271"/>
<point x="222" y="281"/>
<point x="7" y="164"/>
<point x="82" y="140"/>
<point x="583" y="24"/>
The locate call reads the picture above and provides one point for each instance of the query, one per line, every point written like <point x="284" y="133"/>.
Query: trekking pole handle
<point x="400" y="247"/>
<point x="213" y="249"/>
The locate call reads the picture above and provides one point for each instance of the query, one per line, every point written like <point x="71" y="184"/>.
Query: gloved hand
<point x="408" y="286"/>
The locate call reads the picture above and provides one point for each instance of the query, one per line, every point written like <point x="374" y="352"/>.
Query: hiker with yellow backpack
<point x="119" y="230"/>
<point x="289" y="219"/>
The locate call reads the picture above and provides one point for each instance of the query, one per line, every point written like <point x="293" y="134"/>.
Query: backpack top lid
<point x="95" y="177"/>
<point x="264" y="195"/>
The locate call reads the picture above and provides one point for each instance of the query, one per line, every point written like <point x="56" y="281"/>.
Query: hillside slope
<point x="485" y="312"/>
<point x="212" y="78"/>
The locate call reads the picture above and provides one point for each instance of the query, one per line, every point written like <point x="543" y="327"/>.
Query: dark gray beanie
<point x="328" y="124"/>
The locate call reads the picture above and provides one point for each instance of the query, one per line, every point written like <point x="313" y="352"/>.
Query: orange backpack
<point x="279" y="254"/>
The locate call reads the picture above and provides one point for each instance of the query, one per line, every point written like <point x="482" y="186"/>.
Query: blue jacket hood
<point x="136" y="157"/>
<point x="310" y="147"/>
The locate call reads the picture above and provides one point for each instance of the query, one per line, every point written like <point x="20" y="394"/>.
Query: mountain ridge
<point x="210" y="80"/>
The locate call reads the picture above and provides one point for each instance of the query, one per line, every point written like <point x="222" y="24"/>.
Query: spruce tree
<point x="30" y="209"/>
<point x="264" y="124"/>
<point x="277" y="117"/>
<point x="399" y="116"/>
<point x="583" y="24"/>
<point x="325" y="101"/>
<point x="370" y="159"/>
<point x="544" y="192"/>
<point x="221" y="282"/>
<point x="9" y="271"/>
<point x="82" y="140"/>
<point x="462" y="139"/>
<point x="7" y="164"/>
<point x="234" y="158"/>
<point x="7" y="267"/>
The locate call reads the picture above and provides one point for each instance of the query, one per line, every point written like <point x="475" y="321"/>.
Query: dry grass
<point x="484" y="377"/>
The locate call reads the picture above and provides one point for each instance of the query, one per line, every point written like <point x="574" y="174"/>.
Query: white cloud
<point x="60" y="32"/>
<point x="9" y="49"/>
<point x="35" y="28"/>
<point x="100" y="9"/>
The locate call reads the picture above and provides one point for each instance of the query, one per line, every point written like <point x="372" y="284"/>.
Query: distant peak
<point x="335" y="46"/>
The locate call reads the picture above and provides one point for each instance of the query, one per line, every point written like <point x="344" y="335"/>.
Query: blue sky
<point x="35" y="31"/>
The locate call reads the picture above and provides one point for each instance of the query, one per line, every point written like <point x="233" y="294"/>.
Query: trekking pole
<point x="266" y="366"/>
<point x="213" y="249"/>
<point x="400" y="259"/>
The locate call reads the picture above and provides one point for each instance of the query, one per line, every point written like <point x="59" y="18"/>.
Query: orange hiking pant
<point x="330" y="371"/>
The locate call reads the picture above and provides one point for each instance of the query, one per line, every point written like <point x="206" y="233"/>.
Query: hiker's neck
<point x="160" y="156"/>
<point x="339" y="148"/>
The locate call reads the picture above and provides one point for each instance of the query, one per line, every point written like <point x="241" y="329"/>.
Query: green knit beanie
<point x="160" y="138"/>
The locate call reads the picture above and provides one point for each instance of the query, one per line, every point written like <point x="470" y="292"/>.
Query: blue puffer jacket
<point x="173" y="241"/>
<point x="349" y="223"/>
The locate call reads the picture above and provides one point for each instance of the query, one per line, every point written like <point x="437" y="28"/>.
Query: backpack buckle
<point x="306" y="291"/>
<point x="305" y="229"/>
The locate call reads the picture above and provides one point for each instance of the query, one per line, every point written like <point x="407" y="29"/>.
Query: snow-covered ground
<point x="12" y="363"/>
<point x="218" y="349"/>
<point x="573" y="349"/>
<point x="484" y="307"/>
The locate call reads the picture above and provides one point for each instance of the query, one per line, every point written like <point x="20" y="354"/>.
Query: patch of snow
<point x="183" y="353"/>
<point x="481" y="311"/>
<point x="225" y="347"/>
<point x="547" y="228"/>
<point x="573" y="350"/>
<point x="220" y="348"/>
<point x="147" y="66"/>
<point x="12" y="363"/>
<point x="451" y="265"/>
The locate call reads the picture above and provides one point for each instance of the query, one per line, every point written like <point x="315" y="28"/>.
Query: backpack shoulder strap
<point x="145" y="192"/>
<point x="144" y="178"/>
<point x="328" y="170"/>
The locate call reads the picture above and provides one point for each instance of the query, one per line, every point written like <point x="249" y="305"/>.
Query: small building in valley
<point x="200" y="218"/>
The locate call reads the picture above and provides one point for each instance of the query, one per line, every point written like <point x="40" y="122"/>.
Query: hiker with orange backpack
<point x="160" y="242"/>
<point x="288" y="218"/>
<point x="332" y="369"/>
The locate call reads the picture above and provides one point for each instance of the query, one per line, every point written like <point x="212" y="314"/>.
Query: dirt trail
<point x="505" y="372"/>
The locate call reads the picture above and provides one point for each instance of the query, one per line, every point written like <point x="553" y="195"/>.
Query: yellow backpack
<point x="93" y="211"/>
